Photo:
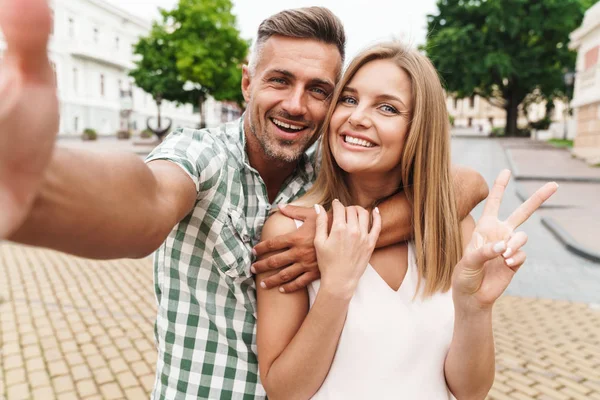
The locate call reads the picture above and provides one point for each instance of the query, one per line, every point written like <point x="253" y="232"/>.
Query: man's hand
<point x="28" y="108"/>
<point x="300" y="258"/>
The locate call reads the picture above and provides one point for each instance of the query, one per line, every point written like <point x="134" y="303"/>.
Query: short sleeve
<point x="196" y="152"/>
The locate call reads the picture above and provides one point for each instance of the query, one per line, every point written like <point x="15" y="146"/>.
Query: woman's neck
<point x="365" y="190"/>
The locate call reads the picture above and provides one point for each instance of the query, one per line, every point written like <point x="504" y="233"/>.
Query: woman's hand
<point x="494" y="253"/>
<point x="344" y="253"/>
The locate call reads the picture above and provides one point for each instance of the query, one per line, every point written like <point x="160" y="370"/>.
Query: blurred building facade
<point x="586" y="96"/>
<point x="477" y="114"/>
<point x="91" y="50"/>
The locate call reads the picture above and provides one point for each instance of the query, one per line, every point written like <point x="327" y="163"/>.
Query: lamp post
<point x="569" y="79"/>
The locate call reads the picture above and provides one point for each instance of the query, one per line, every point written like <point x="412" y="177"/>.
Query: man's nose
<point x="295" y="102"/>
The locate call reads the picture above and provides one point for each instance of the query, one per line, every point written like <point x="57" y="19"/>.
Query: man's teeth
<point x="356" y="141"/>
<point x="287" y="126"/>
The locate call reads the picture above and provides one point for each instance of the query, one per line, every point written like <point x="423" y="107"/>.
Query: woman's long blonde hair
<point x="425" y="165"/>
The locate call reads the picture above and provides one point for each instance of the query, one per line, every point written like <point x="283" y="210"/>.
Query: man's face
<point x="288" y="95"/>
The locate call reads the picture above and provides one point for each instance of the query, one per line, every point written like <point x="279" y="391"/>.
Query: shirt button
<point x="245" y="238"/>
<point x="268" y="207"/>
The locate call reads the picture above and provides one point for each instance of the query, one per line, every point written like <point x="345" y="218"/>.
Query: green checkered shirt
<point x="206" y="324"/>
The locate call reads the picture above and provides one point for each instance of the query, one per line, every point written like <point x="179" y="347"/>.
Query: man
<point x="201" y="198"/>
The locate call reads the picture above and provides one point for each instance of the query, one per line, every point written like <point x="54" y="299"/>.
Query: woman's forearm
<point x="299" y="371"/>
<point x="470" y="363"/>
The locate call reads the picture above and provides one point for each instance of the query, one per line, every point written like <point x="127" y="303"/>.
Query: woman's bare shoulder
<point x="276" y="225"/>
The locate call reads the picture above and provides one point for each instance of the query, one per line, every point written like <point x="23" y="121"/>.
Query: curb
<point x="515" y="172"/>
<point x="568" y="241"/>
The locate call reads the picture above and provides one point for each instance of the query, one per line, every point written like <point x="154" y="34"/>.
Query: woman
<point x="412" y="320"/>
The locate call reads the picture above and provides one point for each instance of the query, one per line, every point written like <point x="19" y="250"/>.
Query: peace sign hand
<point x="493" y="255"/>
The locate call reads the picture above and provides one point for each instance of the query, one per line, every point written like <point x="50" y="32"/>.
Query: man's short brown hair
<point x="317" y="23"/>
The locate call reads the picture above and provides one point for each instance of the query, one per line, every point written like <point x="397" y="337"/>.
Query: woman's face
<point x="371" y="120"/>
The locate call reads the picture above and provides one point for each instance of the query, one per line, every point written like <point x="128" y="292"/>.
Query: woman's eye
<point x="347" y="100"/>
<point x="389" y="109"/>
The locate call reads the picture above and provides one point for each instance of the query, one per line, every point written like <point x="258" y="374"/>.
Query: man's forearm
<point x="397" y="221"/>
<point x="470" y="189"/>
<point x="95" y="205"/>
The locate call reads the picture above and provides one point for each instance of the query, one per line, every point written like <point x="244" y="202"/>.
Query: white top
<point x="392" y="346"/>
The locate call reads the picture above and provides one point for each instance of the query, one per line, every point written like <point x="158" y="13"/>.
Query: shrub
<point x="89" y="134"/>
<point x="146" y="134"/>
<point x="498" y="131"/>
<point x="123" y="135"/>
<point x="541" y="125"/>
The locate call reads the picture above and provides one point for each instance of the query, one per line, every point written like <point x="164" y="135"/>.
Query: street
<point x="550" y="271"/>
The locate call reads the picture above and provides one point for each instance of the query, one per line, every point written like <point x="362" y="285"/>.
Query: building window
<point x="117" y="42"/>
<point x="455" y="103"/>
<point x="472" y="102"/>
<point x="591" y="58"/>
<point x="101" y="85"/>
<point x="75" y="80"/>
<point x="71" y="27"/>
<point x="76" y="124"/>
<point x="470" y="122"/>
<point x="96" y="35"/>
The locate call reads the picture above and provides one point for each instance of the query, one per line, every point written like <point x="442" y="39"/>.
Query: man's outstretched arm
<point x="93" y="205"/>
<point x="300" y="258"/>
<point x="104" y="206"/>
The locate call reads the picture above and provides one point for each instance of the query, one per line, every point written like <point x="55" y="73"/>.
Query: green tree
<point x="208" y="48"/>
<point x="503" y="50"/>
<point x="156" y="69"/>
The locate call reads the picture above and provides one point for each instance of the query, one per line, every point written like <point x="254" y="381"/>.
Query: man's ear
<point x="246" y="83"/>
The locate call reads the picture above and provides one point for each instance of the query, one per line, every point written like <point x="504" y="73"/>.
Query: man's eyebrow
<point x="287" y="73"/>
<point x="381" y="96"/>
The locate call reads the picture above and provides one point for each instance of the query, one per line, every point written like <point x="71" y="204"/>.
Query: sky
<point x="366" y="21"/>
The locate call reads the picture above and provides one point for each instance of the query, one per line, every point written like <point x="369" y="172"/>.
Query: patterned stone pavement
<point x="72" y="328"/>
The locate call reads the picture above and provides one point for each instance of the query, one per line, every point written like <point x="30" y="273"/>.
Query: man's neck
<point x="273" y="172"/>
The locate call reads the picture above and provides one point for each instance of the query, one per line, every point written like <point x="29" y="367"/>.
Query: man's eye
<point x="320" y="93"/>
<point x="278" y="80"/>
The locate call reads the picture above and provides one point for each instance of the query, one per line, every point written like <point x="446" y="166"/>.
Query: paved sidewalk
<point x="72" y="328"/>
<point x="573" y="214"/>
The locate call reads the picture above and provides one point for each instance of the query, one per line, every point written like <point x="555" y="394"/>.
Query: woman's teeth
<point x="356" y="141"/>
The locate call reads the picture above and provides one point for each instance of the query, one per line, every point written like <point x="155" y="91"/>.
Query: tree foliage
<point x="156" y="69"/>
<point x="193" y="52"/>
<point x="209" y="49"/>
<point x="503" y="50"/>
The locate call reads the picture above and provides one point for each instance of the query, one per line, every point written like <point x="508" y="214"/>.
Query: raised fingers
<point x="516" y="261"/>
<point x="514" y="244"/>
<point x="492" y="204"/>
<point x="526" y="209"/>
<point x="26" y="25"/>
